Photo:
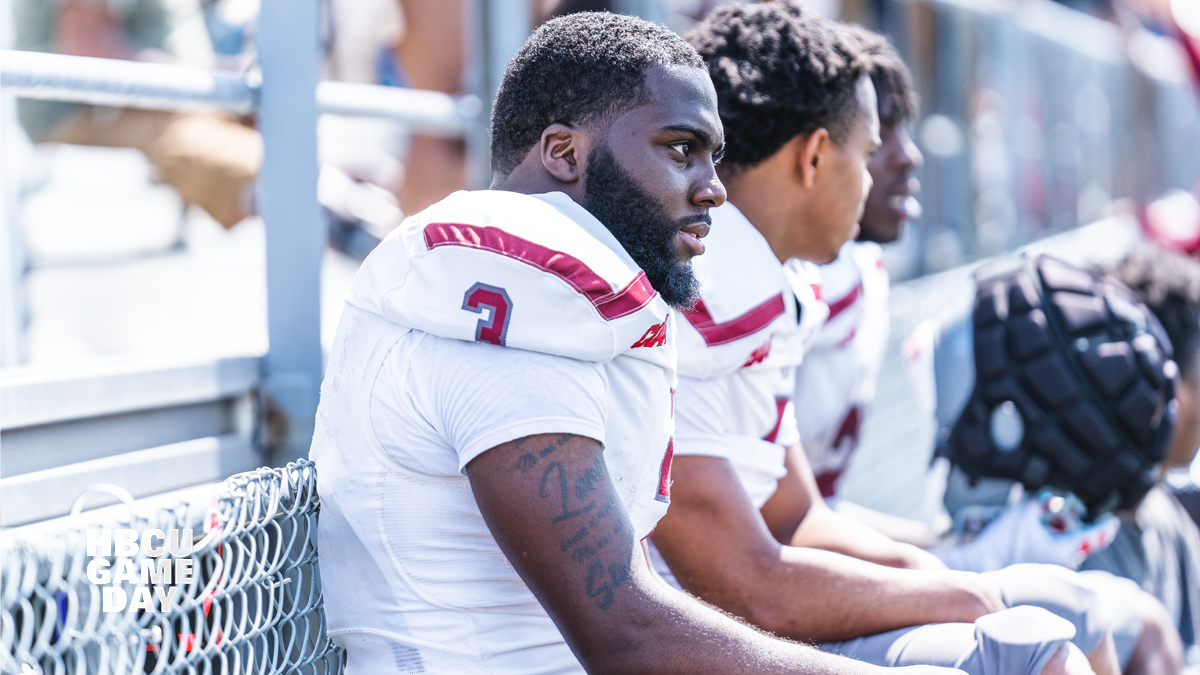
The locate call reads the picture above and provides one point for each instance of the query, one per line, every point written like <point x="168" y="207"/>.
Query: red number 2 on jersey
<point x="494" y="328"/>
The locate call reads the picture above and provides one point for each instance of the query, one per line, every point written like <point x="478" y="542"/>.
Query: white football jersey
<point x="414" y="581"/>
<point x="835" y="386"/>
<point x="738" y="349"/>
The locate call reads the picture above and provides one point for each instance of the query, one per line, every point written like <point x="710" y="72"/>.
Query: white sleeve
<point x="474" y="396"/>
<point x="701" y="407"/>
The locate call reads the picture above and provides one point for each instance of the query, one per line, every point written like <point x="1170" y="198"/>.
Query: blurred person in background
<point x="1158" y="545"/>
<point x="361" y="158"/>
<point x="211" y="159"/>
<point x="431" y="50"/>
<point x="837" y="378"/>
<point x="432" y="55"/>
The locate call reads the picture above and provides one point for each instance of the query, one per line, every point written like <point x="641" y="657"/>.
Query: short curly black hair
<point x="578" y="69"/>
<point x="892" y="79"/>
<point x="780" y="71"/>
<point x="1169" y="284"/>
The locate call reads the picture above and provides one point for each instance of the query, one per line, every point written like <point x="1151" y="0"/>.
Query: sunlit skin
<point x="892" y="201"/>
<point x="807" y="198"/>
<point x="1187" y="426"/>
<point x="670" y="146"/>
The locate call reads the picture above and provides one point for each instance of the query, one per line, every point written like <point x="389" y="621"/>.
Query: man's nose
<point x="910" y="155"/>
<point x="709" y="192"/>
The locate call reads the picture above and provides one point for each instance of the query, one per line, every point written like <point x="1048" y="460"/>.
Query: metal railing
<point x="147" y="427"/>
<point x="68" y="431"/>
<point x="158" y="86"/>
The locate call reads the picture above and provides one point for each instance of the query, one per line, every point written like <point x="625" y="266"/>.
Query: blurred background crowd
<point x="1036" y="117"/>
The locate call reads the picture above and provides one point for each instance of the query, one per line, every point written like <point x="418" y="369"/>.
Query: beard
<point x="642" y="226"/>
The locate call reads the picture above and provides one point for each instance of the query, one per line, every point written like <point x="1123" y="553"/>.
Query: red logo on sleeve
<point x="759" y="355"/>
<point x="655" y="336"/>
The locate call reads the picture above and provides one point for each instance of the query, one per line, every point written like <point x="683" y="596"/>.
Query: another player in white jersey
<point x="837" y="381"/>
<point x="494" y="434"/>
<point x="799" y="111"/>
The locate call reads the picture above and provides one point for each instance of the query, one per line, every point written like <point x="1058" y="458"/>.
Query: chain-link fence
<point x="253" y="604"/>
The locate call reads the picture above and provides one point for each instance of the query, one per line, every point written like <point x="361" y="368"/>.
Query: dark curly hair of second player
<point x="577" y="69"/>
<point x="1169" y="284"/>
<point x="780" y="71"/>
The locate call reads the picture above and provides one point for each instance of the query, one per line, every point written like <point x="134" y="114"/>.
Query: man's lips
<point x="691" y="234"/>
<point x="905" y="205"/>
<point x="902" y="200"/>
<point x="698" y="229"/>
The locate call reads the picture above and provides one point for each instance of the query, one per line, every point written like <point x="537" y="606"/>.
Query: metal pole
<point x="13" y="268"/>
<point x="115" y="82"/>
<point x="501" y="28"/>
<point x="289" y="51"/>
<point x="12" y="246"/>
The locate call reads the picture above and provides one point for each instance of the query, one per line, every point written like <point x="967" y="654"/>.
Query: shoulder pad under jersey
<point x="747" y="313"/>
<point x="805" y="279"/>
<point x="531" y="272"/>
<point x="855" y="287"/>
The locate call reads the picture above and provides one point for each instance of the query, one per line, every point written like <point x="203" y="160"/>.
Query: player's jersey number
<point x="493" y="327"/>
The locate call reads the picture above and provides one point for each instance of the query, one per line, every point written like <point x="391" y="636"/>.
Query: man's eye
<point x="682" y="147"/>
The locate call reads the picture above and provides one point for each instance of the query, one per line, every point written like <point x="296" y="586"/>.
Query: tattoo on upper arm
<point x="586" y="544"/>
<point x="526" y="461"/>
<point x="603" y="591"/>
<point x="590" y="478"/>
<point x="529" y="459"/>
<point x="562" y="480"/>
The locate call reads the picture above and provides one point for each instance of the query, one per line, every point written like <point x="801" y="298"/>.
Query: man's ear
<point x="810" y="154"/>
<point x="563" y="151"/>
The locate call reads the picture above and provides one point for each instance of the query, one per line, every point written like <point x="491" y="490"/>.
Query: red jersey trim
<point x="609" y="303"/>
<point x="747" y="324"/>
<point x="840" y="306"/>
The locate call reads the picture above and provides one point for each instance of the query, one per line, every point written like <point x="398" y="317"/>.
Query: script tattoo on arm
<point x="602" y="579"/>
<point x="529" y="459"/>
<point x="603" y="591"/>
<point x="562" y="479"/>
<point x="581" y="511"/>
